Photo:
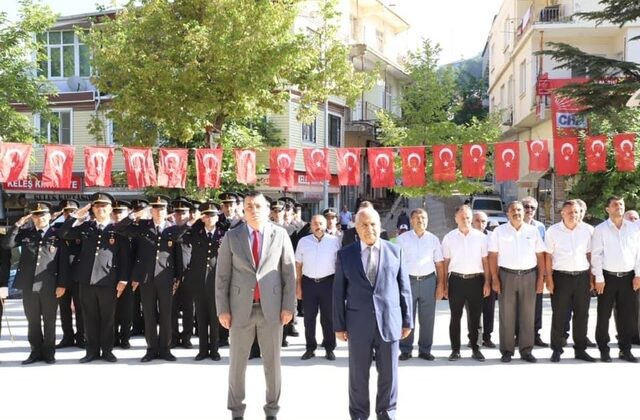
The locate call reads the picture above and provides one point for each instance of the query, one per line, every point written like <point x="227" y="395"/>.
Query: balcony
<point x="364" y="112"/>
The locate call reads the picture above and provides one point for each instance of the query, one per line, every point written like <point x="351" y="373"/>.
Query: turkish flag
<point x="208" y="167"/>
<point x="381" y="167"/>
<point x="282" y="167"/>
<point x="316" y="161"/>
<point x="595" y="152"/>
<point x="172" y="170"/>
<point x="97" y="166"/>
<point x="565" y="156"/>
<point x="474" y="159"/>
<point x="538" y="155"/>
<point x="624" y="146"/>
<point x="413" y="166"/>
<point x="14" y="161"/>
<point x="348" y="161"/>
<point x="245" y="166"/>
<point x="507" y="161"/>
<point x="138" y="162"/>
<point x="444" y="163"/>
<point x="58" y="166"/>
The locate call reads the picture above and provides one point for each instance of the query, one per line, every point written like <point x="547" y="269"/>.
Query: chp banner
<point x="208" y="167"/>
<point x="245" y="166"/>
<point x="58" y="166"/>
<point x="97" y="166"/>
<point x="565" y="117"/>
<point x="474" y="160"/>
<point x="381" y="167"/>
<point x="141" y="172"/>
<point x="413" y="166"/>
<point x="14" y="161"/>
<point x="282" y="167"/>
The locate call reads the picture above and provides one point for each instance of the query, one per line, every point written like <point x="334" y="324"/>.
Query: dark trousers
<point x="570" y="291"/>
<point x="138" y="319"/>
<point x="208" y="324"/>
<point x="124" y="315"/>
<point x="461" y="292"/>
<point x="156" y="306"/>
<point x="318" y="296"/>
<point x="41" y="309"/>
<point x="71" y="298"/>
<point x="538" y="315"/>
<point x="182" y="302"/>
<point x="99" y="308"/>
<point x="618" y="292"/>
<point x="488" y="315"/>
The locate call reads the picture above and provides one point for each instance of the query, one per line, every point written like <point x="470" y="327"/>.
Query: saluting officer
<point x="183" y="297"/>
<point x="38" y="276"/>
<point x="140" y="207"/>
<point x="124" y="307"/>
<point x="102" y="272"/>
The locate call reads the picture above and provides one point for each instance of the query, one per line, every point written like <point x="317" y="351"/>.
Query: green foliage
<point x="19" y="82"/>
<point x="471" y="90"/>
<point x="618" y="12"/>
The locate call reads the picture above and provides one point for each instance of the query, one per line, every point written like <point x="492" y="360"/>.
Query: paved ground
<point x="315" y="389"/>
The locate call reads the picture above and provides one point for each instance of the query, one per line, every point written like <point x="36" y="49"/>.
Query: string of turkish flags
<point x="172" y="163"/>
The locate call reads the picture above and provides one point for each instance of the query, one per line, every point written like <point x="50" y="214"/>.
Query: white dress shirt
<point x="613" y="249"/>
<point x="419" y="254"/>
<point x="318" y="257"/>
<point x="364" y="254"/>
<point x="568" y="247"/>
<point x="465" y="252"/>
<point x="516" y="248"/>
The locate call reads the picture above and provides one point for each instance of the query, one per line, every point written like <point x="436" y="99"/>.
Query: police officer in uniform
<point x="38" y="276"/>
<point x="183" y="297"/>
<point x="124" y="307"/>
<point x="332" y="222"/>
<point x="5" y="268"/>
<point x="138" y="206"/>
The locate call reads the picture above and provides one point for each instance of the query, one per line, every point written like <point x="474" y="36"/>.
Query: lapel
<point x="382" y="262"/>
<point x="356" y="255"/>
<point x="244" y="245"/>
<point x="267" y="242"/>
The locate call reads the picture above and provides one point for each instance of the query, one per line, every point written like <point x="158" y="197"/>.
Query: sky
<point x="459" y="26"/>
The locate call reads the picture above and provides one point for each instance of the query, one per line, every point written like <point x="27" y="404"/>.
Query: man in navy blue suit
<point x="372" y="311"/>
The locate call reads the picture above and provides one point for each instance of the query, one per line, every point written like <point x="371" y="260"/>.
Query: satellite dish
<point x="76" y="83"/>
<point x="634" y="101"/>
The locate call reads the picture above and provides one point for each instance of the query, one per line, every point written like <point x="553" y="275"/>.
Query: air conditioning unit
<point x="507" y="117"/>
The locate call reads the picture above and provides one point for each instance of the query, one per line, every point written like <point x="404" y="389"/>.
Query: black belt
<point x="467" y="276"/>
<point x="420" y="278"/>
<point x="321" y="279"/>
<point x="518" y="272"/>
<point x="618" y="274"/>
<point x="571" y="273"/>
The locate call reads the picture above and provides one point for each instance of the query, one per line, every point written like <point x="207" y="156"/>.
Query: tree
<point x="429" y="103"/>
<point x="471" y="91"/>
<point x="19" y="82"/>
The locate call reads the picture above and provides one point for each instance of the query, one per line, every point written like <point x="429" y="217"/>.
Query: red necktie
<point x="255" y="250"/>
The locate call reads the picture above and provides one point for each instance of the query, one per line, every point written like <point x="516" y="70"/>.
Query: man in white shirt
<point x="422" y="259"/>
<point x="568" y="246"/>
<point x="345" y="218"/>
<point x="465" y="261"/>
<point x="315" y="269"/>
<point x="615" y="262"/>
<point x="516" y="258"/>
<point x="480" y="220"/>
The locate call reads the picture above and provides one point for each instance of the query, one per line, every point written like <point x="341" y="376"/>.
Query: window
<point x="111" y="133"/>
<point x="66" y="55"/>
<point x="379" y="40"/>
<point x="523" y="77"/>
<point x="57" y="131"/>
<point x="309" y="132"/>
<point x="335" y="129"/>
<point x="507" y="33"/>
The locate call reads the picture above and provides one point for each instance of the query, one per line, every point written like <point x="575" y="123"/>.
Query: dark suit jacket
<point x="70" y="252"/>
<point x="201" y="271"/>
<point x="350" y="236"/>
<point x="357" y="304"/>
<point x="5" y="266"/>
<point x="39" y="266"/>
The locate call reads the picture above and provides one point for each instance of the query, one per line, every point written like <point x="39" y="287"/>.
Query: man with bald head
<point x="372" y="312"/>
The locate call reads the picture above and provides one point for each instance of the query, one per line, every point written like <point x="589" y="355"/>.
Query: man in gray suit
<point x="255" y="295"/>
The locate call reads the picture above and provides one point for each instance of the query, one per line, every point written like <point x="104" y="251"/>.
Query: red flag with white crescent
<point x="381" y="167"/>
<point x="14" y="161"/>
<point x="316" y="161"/>
<point x="625" y="146"/>
<point x="348" y="162"/>
<point x="97" y="166"/>
<point x="565" y="156"/>
<point x="474" y="160"/>
<point x="208" y="167"/>
<point x="141" y="172"/>
<point x="245" y="166"/>
<point x="58" y="166"/>
<point x="595" y="153"/>
<point x="413" y="166"/>
<point x="282" y="167"/>
<point x="444" y="162"/>
<point x="507" y="161"/>
<point x="172" y="170"/>
<point x="538" y="155"/>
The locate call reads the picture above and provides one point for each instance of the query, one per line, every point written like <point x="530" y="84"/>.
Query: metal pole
<point x="6" y="318"/>
<point x="325" y="184"/>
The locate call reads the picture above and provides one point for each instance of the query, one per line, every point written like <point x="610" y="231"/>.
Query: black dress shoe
<point x="590" y="343"/>
<point x="488" y="343"/>
<point x="89" y="358"/>
<point x="187" y="344"/>
<point x="285" y="343"/>
<point x="308" y="355"/>
<point x="201" y="356"/>
<point x="528" y="357"/>
<point x="215" y="356"/>
<point x="426" y="356"/>
<point x="555" y="356"/>
<point x="477" y="355"/>
<point x="65" y="342"/>
<point x="539" y="343"/>
<point x="455" y="355"/>
<point x="237" y="418"/>
<point x="604" y="356"/>
<point x="293" y="332"/>
<point x="628" y="356"/>
<point x="50" y="360"/>
<point x="330" y="355"/>
<point x="125" y="344"/>
<point x="149" y="356"/>
<point x="31" y="359"/>
<point x="109" y="357"/>
<point x="167" y="356"/>
<point x="81" y="343"/>
<point x="506" y="357"/>
<point x="404" y="356"/>
<point x="272" y="418"/>
<point x="583" y="355"/>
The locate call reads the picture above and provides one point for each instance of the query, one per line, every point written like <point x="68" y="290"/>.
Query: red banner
<point x="565" y="117"/>
<point x="245" y="166"/>
<point x="444" y="163"/>
<point x="348" y="161"/>
<point x="507" y="161"/>
<point x="316" y="161"/>
<point x="595" y="152"/>
<point x="566" y="160"/>
<point x="282" y="167"/>
<point x="208" y="167"/>
<point x="381" y="167"/>
<point x="625" y="146"/>
<point x="14" y="161"/>
<point x="141" y="172"/>
<point x="538" y="155"/>
<point x="172" y="168"/>
<point x="413" y="166"/>
<point x="97" y="166"/>
<point x="58" y="166"/>
<point x="474" y="160"/>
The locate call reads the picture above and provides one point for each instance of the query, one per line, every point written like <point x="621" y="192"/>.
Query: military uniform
<point x="182" y="302"/>
<point x="125" y="303"/>
<point x="5" y="268"/>
<point x="138" y="318"/>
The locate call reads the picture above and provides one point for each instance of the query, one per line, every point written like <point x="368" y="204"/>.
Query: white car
<point x="493" y="206"/>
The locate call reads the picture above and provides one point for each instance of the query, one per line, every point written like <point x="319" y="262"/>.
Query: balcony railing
<point x="364" y="111"/>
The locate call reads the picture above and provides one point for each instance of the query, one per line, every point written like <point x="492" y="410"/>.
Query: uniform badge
<point x="169" y="243"/>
